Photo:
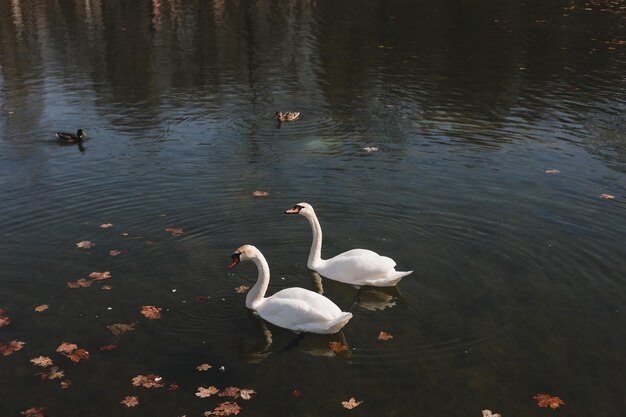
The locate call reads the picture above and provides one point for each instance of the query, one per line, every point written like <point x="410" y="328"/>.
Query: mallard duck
<point x="288" y="116"/>
<point x="72" y="138"/>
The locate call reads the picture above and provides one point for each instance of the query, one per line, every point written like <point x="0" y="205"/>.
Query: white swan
<point x="356" y="267"/>
<point x="295" y="309"/>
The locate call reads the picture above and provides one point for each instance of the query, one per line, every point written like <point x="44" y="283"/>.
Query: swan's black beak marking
<point x="295" y="210"/>
<point x="236" y="258"/>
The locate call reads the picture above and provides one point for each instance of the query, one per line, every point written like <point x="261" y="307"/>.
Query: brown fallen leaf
<point x="105" y="287"/>
<point x="384" y="336"/>
<point x="488" y="413"/>
<point x="13" y="346"/>
<point x="224" y="409"/>
<point x="78" y="355"/>
<point x="148" y="381"/>
<point x="108" y="348"/>
<point x="296" y="393"/>
<point x="54" y="373"/>
<point x="337" y="347"/>
<point x="120" y="328"/>
<point x="550" y="171"/>
<point x="203" y="367"/>
<point x="174" y="231"/>
<point x="34" y="412"/>
<point x="85" y="244"/>
<point x="370" y="149"/>
<point x="351" y="403"/>
<point x="41" y="308"/>
<point x="246" y="394"/>
<point x="607" y="196"/>
<point x="151" y="312"/>
<point x="124" y="234"/>
<point x="229" y="392"/>
<point x="260" y="194"/>
<point x="79" y="283"/>
<point x="545" y="400"/>
<point x="99" y="276"/>
<point x="42" y="361"/>
<point x="241" y="289"/>
<point x="206" y="392"/>
<point x="202" y="298"/>
<point x="115" y="252"/>
<point x="173" y="387"/>
<point x="66" y="348"/>
<point x="4" y="318"/>
<point x="130" y="401"/>
<point x="65" y="384"/>
<point x="106" y="225"/>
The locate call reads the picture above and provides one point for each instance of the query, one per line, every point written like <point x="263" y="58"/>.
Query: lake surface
<point x="519" y="275"/>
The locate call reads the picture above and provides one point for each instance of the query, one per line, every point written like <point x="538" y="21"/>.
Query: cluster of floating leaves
<point x="4" y="318"/>
<point x="86" y="282"/>
<point x="72" y="351"/>
<point x="7" y="349"/>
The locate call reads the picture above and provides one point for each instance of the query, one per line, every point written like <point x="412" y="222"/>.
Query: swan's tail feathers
<point x="339" y="322"/>
<point x="390" y="280"/>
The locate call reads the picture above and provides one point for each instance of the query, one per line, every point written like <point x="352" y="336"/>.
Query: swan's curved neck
<point x="256" y="294"/>
<point x="315" y="255"/>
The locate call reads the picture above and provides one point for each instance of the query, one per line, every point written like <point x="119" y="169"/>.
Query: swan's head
<point x="304" y="209"/>
<point x="243" y="253"/>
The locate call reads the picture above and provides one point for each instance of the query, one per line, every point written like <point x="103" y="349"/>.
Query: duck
<point x="72" y="138"/>
<point x="357" y="267"/>
<point x="288" y="116"/>
<point x="296" y="309"/>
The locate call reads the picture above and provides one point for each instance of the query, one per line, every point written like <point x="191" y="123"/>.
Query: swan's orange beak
<point x="294" y="210"/>
<point x="235" y="260"/>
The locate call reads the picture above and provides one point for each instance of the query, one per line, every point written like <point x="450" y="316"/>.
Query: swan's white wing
<point x="357" y="252"/>
<point x="359" y="267"/>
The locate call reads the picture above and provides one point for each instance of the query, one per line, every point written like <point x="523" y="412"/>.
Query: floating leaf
<point x="607" y="196"/>
<point x="106" y="226"/>
<point x="548" y="171"/>
<point x="115" y="252"/>
<point x="487" y="413"/>
<point x="42" y="361"/>
<point x="370" y="149"/>
<point x="174" y="231"/>
<point x="78" y="355"/>
<point x="384" y="336"/>
<point x="203" y="367"/>
<point x="34" y="412"/>
<point x="224" y="409"/>
<point x="41" y="308"/>
<point x="151" y="312"/>
<point x="124" y="234"/>
<point x="351" y="403"/>
<point x="173" y="387"/>
<point x="120" y="328"/>
<point x="206" y="392"/>
<point x="545" y="400"/>
<point x="241" y="289"/>
<point x="65" y="384"/>
<point x="148" y="381"/>
<point x="260" y="194"/>
<point x="130" y="401"/>
<point x="99" y="276"/>
<point x="108" y="348"/>
<point x="79" y="283"/>
<point x="4" y="319"/>
<point x="66" y="348"/>
<point x="85" y="244"/>
<point x="337" y="347"/>
<point x="229" y="392"/>
<point x="246" y="394"/>
<point x="55" y="373"/>
<point x="296" y="393"/>
<point x="105" y="287"/>
<point x="13" y="346"/>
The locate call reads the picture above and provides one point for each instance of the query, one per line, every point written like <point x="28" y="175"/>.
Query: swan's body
<point x="356" y="267"/>
<point x="295" y="308"/>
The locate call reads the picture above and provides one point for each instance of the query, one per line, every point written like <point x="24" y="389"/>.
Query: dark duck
<point x="72" y="138"/>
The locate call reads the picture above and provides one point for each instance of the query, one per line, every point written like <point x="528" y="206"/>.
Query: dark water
<point x="519" y="275"/>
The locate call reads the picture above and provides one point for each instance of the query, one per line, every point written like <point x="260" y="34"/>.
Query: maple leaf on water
<point x="260" y="194"/>
<point x="148" y="381"/>
<point x="607" y="196"/>
<point x="106" y="226"/>
<point x="78" y="355"/>
<point x="79" y="283"/>
<point x="85" y="244"/>
<point x="224" y="409"/>
<point x="206" y="392"/>
<point x="296" y="393"/>
<point x="41" y="308"/>
<point x="550" y="171"/>
<point x="108" y="348"/>
<point x="65" y="384"/>
<point x="66" y="348"/>
<point x="115" y="252"/>
<point x="99" y="276"/>
<point x="488" y="413"/>
<point x="174" y="231"/>
<point x="42" y="361"/>
<point x="351" y="403"/>
<point x="173" y="387"/>
<point x="55" y="373"/>
<point x="34" y="412"/>
<point x="120" y="328"/>
<point x="384" y="336"/>
<point x="229" y="392"/>
<point x="337" y="347"/>
<point x="130" y="401"/>
<point x="4" y="319"/>
<point x="246" y="394"/>
<point x="105" y="287"/>
<point x="370" y="149"/>
<point x="151" y="312"/>
<point x="203" y="367"/>
<point x="545" y="400"/>
<point x="8" y="348"/>
<point x="241" y="289"/>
